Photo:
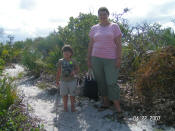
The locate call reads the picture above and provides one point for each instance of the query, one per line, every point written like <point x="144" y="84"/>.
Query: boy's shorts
<point x="68" y="87"/>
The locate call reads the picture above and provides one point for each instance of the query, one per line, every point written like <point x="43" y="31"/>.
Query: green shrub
<point x="156" y="73"/>
<point x="2" y="63"/>
<point x="13" y="116"/>
<point x="7" y="93"/>
<point x="31" y="59"/>
<point x="52" y="60"/>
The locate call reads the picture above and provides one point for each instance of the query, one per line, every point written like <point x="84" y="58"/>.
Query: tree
<point x="76" y="34"/>
<point x="11" y="38"/>
<point x="1" y="32"/>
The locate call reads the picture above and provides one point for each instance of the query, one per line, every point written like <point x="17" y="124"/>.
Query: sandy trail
<point x="87" y="118"/>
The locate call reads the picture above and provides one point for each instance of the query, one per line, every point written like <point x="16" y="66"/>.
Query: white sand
<point x="87" y="118"/>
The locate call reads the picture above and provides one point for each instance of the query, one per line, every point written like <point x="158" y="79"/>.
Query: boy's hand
<point x="73" y="73"/>
<point x="57" y="83"/>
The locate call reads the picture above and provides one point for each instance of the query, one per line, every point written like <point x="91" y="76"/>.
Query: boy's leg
<point x="72" y="91"/>
<point x="64" y="94"/>
<point x="65" y="99"/>
<point x="72" y="99"/>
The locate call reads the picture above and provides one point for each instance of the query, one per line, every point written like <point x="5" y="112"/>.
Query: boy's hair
<point x="103" y="9"/>
<point x="67" y="48"/>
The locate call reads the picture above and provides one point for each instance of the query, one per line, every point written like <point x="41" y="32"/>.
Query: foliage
<point x="156" y="73"/>
<point x="140" y="40"/>
<point x="168" y="37"/>
<point x="16" y="119"/>
<point x="19" y="45"/>
<point x="7" y="98"/>
<point x="32" y="60"/>
<point x="7" y="94"/>
<point x="52" y="59"/>
<point x="2" y="63"/>
<point x="12" y="111"/>
<point x="137" y="41"/>
<point x="42" y="54"/>
<point x="152" y="91"/>
<point x="8" y="54"/>
<point x="76" y="34"/>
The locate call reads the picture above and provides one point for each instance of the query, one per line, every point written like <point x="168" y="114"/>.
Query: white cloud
<point x="169" y="24"/>
<point x="27" y="4"/>
<point x="33" y="18"/>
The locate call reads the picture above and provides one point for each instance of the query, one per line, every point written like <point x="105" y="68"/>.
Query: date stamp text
<point x="142" y="118"/>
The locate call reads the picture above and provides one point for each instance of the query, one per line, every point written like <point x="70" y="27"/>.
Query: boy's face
<point x="67" y="54"/>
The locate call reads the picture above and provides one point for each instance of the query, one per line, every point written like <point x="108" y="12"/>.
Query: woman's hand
<point x="89" y="64"/>
<point x="118" y="50"/>
<point x="118" y="62"/>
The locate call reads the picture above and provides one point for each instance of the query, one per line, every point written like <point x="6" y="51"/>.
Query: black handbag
<point x="90" y="89"/>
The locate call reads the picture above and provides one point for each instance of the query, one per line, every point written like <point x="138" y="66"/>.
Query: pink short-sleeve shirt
<point x="103" y="36"/>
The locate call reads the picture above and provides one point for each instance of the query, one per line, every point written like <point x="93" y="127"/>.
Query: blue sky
<point x="34" y="18"/>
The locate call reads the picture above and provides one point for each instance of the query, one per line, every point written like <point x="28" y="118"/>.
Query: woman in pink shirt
<point x="104" y="57"/>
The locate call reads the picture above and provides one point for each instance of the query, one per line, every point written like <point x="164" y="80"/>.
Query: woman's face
<point x="103" y="16"/>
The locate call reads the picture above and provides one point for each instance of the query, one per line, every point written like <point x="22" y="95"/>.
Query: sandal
<point x="102" y="108"/>
<point x="110" y="117"/>
<point x="120" y="115"/>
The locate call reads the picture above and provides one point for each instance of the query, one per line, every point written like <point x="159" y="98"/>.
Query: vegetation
<point x="13" y="115"/>
<point x="41" y="54"/>
<point x="8" y="54"/>
<point x="155" y="83"/>
<point x="156" y="72"/>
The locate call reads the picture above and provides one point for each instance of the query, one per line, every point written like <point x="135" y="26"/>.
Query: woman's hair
<point x="67" y="48"/>
<point x="103" y="9"/>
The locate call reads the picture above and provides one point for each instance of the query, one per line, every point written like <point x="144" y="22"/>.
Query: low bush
<point x="2" y="63"/>
<point x="7" y="93"/>
<point x="155" y="84"/>
<point x="13" y="113"/>
<point x="156" y="73"/>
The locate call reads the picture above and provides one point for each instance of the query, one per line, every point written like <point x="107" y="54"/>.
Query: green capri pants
<point x="106" y="75"/>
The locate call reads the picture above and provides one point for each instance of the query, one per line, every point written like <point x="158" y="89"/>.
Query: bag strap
<point x="91" y="74"/>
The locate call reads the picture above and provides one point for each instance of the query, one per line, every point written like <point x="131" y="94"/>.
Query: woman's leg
<point x="111" y="76"/>
<point x="65" y="99"/>
<point x="98" y="69"/>
<point x="106" y="101"/>
<point x="117" y="105"/>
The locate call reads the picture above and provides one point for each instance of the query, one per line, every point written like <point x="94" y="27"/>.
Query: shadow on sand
<point x="86" y="118"/>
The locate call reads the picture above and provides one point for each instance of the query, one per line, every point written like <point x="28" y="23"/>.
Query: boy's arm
<point x="58" y="72"/>
<point x="76" y="69"/>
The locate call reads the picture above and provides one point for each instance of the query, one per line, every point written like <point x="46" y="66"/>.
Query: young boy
<point x="67" y="69"/>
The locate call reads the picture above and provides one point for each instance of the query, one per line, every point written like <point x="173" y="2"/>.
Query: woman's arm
<point x="90" y="46"/>
<point x="118" y="50"/>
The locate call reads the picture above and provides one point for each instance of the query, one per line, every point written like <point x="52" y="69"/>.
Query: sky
<point x="37" y="18"/>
